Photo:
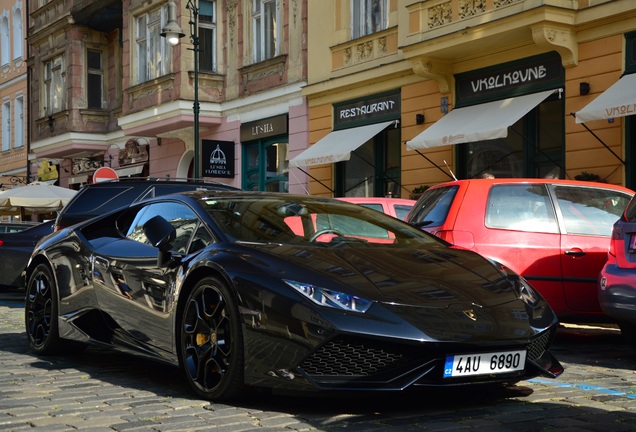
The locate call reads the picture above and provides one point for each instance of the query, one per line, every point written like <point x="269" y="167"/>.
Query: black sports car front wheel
<point x="40" y="312"/>
<point x="211" y="347"/>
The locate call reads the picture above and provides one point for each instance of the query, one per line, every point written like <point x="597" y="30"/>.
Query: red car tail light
<point x="616" y="235"/>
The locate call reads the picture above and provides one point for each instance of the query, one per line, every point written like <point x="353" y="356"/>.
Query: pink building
<point x="107" y="89"/>
<point x="13" y="94"/>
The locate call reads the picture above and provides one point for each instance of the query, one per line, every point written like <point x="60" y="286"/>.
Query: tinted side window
<point x="432" y="207"/>
<point x="349" y="226"/>
<point x="520" y="207"/>
<point x="376" y="207"/>
<point x="402" y="211"/>
<point x="180" y="216"/>
<point x="91" y="199"/>
<point x="590" y="211"/>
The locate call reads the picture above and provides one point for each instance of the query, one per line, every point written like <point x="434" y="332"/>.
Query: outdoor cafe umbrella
<point x="36" y="197"/>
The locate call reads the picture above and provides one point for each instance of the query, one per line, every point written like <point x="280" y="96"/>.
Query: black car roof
<point x="99" y="198"/>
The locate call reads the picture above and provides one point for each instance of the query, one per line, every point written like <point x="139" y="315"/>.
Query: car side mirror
<point x="161" y="234"/>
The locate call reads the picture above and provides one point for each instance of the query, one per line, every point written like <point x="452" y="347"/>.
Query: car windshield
<point x="306" y="220"/>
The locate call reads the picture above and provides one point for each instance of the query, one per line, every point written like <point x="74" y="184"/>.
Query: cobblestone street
<point x="104" y="391"/>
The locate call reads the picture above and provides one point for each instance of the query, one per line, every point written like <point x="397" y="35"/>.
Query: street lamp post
<point x="172" y="32"/>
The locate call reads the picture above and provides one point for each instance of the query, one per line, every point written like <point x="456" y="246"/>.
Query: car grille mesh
<point x="346" y="356"/>
<point x="342" y="357"/>
<point x="539" y="345"/>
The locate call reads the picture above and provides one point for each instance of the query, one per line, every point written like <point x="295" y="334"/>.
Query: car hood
<point x="431" y="277"/>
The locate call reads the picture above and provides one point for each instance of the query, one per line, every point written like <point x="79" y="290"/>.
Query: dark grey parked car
<point x="15" y="250"/>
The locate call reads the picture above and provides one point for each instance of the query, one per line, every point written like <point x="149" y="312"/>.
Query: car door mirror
<point x="160" y="233"/>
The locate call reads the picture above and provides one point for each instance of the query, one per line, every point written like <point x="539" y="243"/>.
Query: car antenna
<point x="450" y="170"/>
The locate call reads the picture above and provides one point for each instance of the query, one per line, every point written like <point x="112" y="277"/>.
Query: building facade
<point x="425" y="91"/>
<point x="13" y="94"/>
<point x="108" y="90"/>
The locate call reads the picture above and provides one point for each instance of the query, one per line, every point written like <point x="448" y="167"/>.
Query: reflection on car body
<point x="292" y="292"/>
<point x="396" y="207"/>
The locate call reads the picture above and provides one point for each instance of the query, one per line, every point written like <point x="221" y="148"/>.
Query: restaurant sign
<point x="524" y="76"/>
<point x="373" y="109"/>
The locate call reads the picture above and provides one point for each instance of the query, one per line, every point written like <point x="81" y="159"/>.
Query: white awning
<point x="617" y="101"/>
<point x="485" y="121"/>
<point x="338" y="145"/>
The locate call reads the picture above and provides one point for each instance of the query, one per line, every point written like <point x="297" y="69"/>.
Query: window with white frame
<point x="54" y="79"/>
<point x="94" y="79"/>
<point x="153" y="54"/>
<point x="267" y="29"/>
<point x="368" y="16"/>
<point x="18" y="36"/>
<point x="18" y="122"/>
<point x="6" y="126"/>
<point x="5" y="44"/>
<point x="207" y="36"/>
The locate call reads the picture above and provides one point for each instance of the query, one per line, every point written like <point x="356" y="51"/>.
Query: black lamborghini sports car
<point x="248" y="289"/>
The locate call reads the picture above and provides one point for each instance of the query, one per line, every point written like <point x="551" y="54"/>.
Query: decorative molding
<point x="365" y="51"/>
<point x="265" y="68"/>
<point x="468" y="8"/>
<point x="435" y="70"/>
<point x="231" y="18"/>
<point x="440" y="14"/>
<point x="562" y="40"/>
<point x="501" y="3"/>
<point x="157" y="85"/>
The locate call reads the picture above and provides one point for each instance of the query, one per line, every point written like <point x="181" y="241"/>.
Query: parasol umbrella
<point x="36" y="197"/>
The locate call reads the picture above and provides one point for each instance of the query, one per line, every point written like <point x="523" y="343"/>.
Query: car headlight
<point x="524" y="290"/>
<point x="330" y="298"/>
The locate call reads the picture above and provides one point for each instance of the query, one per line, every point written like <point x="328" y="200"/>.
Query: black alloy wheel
<point x="211" y="345"/>
<point x="40" y="312"/>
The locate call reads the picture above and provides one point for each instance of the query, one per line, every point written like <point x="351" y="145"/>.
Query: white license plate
<point x="484" y="364"/>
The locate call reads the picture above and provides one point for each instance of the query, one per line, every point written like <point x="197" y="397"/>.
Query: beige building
<point x="404" y="93"/>
<point x="13" y="94"/>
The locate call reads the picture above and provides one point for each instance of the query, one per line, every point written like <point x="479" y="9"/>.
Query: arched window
<point x="4" y="40"/>
<point x="18" y="35"/>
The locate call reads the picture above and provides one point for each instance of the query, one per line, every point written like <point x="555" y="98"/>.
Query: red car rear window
<point x="433" y="206"/>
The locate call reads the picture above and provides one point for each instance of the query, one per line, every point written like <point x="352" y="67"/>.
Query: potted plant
<point x="418" y="191"/>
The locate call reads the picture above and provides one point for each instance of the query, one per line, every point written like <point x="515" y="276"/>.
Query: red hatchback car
<point x="397" y="207"/>
<point x="555" y="233"/>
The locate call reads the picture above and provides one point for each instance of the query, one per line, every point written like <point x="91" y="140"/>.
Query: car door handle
<point x="575" y="252"/>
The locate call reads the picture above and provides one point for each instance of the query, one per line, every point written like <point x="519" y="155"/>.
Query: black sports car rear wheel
<point x="40" y="312"/>
<point x="211" y="341"/>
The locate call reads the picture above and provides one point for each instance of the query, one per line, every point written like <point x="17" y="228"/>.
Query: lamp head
<point x="172" y="32"/>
